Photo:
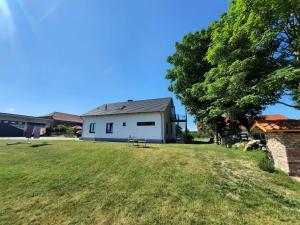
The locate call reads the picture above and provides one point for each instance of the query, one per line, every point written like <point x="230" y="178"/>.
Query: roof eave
<point x="114" y="114"/>
<point x="283" y="131"/>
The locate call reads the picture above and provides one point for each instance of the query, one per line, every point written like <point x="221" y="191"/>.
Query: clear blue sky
<point x="73" y="55"/>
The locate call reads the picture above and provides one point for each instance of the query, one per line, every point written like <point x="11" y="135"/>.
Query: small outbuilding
<point x="14" y="125"/>
<point x="283" y="143"/>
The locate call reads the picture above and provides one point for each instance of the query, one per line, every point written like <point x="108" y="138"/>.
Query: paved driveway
<point x="41" y="138"/>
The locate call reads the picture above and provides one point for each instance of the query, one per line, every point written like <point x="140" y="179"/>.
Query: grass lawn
<point x="70" y="182"/>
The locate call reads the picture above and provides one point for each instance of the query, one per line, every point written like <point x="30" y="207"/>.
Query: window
<point x="124" y="124"/>
<point x="109" y="128"/>
<point x="152" y="123"/>
<point x="92" y="127"/>
<point x="167" y="128"/>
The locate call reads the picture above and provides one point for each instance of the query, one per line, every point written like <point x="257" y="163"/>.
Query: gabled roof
<point x="59" y="116"/>
<point x="9" y="116"/>
<point x="140" y="106"/>
<point x="270" y="126"/>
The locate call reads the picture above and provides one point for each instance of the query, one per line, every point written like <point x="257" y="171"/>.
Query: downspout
<point x="162" y="128"/>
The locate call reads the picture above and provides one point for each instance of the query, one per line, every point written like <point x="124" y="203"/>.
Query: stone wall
<point x="285" y="151"/>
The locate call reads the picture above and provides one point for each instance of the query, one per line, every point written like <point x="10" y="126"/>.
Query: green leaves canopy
<point x="241" y="63"/>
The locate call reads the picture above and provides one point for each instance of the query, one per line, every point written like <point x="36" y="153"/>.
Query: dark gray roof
<point x="141" y="106"/>
<point x="7" y="116"/>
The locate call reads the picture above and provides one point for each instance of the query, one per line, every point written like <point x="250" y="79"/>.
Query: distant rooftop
<point x="35" y="118"/>
<point x="140" y="106"/>
<point x="274" y="117"/>
<point x="59" y="116"/>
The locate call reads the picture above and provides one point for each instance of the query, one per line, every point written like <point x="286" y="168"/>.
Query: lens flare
<point x="7" y="25"/>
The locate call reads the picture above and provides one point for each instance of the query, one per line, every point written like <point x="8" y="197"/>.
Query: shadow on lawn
<point x="39" y="145"/>
<point x="201" y="142"/>
<point x="145" y="147"/>
<point x="196" y="142"/>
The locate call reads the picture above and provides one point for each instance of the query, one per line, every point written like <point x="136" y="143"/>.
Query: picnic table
<point x="137" y="141"/>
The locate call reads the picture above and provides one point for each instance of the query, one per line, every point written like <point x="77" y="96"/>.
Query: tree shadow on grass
<point x="201" y="142"/>
<point x="196" y="142"/>
<point x="39" y="145"/>
<point x="144" y="147"/>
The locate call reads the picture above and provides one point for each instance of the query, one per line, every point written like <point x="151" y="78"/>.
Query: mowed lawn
<point x="72" y="182"/>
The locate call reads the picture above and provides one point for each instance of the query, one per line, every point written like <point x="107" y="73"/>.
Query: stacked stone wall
<point x="285" y="151"/>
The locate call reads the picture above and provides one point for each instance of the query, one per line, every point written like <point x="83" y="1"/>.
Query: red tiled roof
<point x="277" y="125"/>
<point x="227" y="120"/>
<point x="65" y="117"/>
<point x="274" y="117"/>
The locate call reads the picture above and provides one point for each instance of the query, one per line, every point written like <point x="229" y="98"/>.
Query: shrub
<point x="63" y="130"/>
<point x="266" y="165"/>
<point x="188" y="137"/>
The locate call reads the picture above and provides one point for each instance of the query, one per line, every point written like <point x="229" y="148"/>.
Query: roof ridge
<point x="140" y="100"/>
<point x="138" y="106"/>
<point x="52" y="113"/>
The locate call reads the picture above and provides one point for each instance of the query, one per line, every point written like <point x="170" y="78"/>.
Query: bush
<point x="266" y="165"/>
<point x="63" y="130"/>
<point x="188" y="137"/>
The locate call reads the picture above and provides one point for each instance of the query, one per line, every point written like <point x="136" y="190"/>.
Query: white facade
<point x="125" y="125"/>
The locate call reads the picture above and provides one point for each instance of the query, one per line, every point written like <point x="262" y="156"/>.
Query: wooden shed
<point x="283" y="143"/>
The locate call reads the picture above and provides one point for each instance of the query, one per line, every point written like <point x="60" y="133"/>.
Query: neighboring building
<point x="152" y="119"/>
<point x="283" y="143"/>
<point x="274" y="117"/>
<point x="201" y="125"/>
<point x="13" y="125"/>
<point x="64" y="118"/>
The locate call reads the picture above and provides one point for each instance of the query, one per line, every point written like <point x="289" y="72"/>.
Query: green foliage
<point x="195" y="134"/>
<point x="188" y="137"/>
<point x="266" y="165"/>
<point x="63" y="130"/>
<point x="242" y="63"/>
<point x="189" y="67"/>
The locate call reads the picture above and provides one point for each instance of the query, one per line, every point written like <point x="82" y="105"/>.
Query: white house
<point x="151" y="119"/>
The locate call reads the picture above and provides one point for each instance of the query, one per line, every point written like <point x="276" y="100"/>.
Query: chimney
<point x="130" y="100"/>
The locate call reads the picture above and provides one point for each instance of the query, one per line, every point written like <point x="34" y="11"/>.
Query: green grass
<point x="69" y="182"/>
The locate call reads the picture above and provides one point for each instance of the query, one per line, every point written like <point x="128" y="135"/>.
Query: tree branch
<point x="288" y="105"/>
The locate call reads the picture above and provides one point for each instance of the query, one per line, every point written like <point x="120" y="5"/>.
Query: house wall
<point x="285" y="150"/>
<point x="120" y="132"/>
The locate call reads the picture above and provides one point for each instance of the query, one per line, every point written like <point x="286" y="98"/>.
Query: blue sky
<point x="73" y="55"/>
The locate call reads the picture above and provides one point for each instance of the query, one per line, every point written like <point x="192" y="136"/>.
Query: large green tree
<point x="245" y="61"/>
<point x="257" y="45"/>
<point x="189" y="67"/>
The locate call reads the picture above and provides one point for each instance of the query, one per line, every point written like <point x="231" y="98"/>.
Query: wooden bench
<point x="131" y="141"/>
<point x="137" y="142"/>
<point x="142" y="141"/>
